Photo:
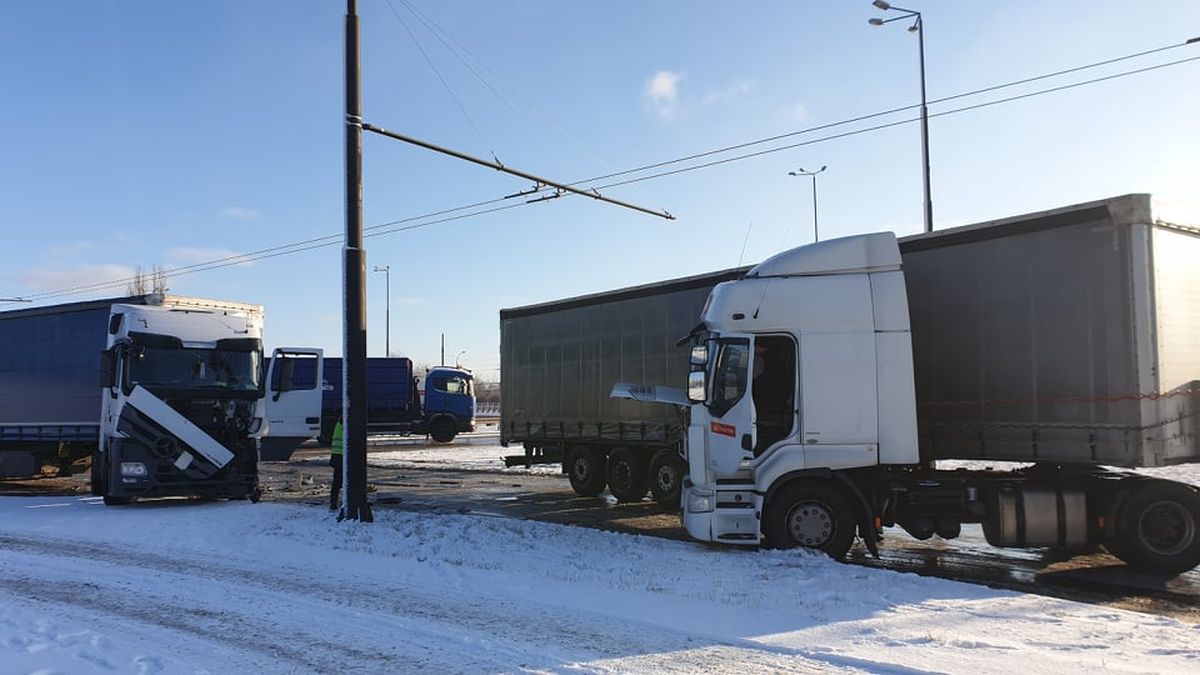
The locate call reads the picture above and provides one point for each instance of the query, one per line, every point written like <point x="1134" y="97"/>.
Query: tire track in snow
<point x="552" y="639"/>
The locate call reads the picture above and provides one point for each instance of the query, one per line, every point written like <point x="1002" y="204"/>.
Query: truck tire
<point x="627" y="479"/>
<point x="117" y="501"/>
<point x="443" y="429"/>
<point x="666" y="477"/>
<point x="586" y="470"/>
<point x="810" y="514"/>
<point x="1158" y="528"/>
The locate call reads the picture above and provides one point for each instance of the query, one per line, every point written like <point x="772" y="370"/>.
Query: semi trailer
<point x="858" y="384"/>
<point x="395" y="401"/>
<point x="166" y="395"/>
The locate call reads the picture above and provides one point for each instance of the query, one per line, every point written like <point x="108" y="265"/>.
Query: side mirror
<point x="108" y="369"/>
<point x="697" y="386"/>
<point x="699" y="355"/>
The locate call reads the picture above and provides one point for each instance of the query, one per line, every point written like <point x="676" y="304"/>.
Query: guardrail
<point x="487" y="409"/>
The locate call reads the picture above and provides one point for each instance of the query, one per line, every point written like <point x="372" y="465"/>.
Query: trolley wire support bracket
<point x="539" y="182"/>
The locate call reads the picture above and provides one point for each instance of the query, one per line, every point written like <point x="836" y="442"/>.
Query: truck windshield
<point x="186" y="368"/>
<point x="453" y="385"/>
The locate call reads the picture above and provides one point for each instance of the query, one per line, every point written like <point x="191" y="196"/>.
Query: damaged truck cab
<point x="184" y="401"/>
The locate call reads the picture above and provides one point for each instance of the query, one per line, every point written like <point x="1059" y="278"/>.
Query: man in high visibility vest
<point x="336" y="447"/>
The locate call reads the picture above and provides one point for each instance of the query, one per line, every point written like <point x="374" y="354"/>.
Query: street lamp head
<point x="881" y="4"/>
<point x="793" y="173"/>
<point x="385" y="268"/>
<point x="916" y="26"/>
<point x="875" y="21"/>
<point x="823" y="167"/>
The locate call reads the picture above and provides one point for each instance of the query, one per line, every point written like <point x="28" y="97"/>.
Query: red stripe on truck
<point x="724" y="429"/>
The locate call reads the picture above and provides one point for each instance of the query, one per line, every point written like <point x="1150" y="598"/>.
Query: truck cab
<point x="449" y="406"/>
<point x="801" y="368"/>
<point x="184" y="401"/>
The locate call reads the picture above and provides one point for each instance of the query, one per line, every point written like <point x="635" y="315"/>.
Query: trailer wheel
<point x="586" y="469"/>
<point x="627" y="478"/>
<point x="810" y="514"/>
<point x="1158" y="528"/>
<point x="666" y="477"/>
<point x="443" y="430"/>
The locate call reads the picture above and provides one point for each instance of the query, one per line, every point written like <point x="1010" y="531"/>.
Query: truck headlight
<point x="699" y="503"/>
<point x="133" y="469"/>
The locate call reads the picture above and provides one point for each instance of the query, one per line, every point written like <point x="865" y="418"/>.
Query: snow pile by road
<point x="457" y="457"/>
<point x="234" y="587"/>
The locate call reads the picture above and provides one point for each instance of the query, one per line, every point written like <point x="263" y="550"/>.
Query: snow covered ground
<point x="235" y="587"/>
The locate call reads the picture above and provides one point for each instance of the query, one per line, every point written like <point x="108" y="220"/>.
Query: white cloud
<point x="797" y="112"/>
<point x="59" y="278"/>
<point x="186" y="255"/>
<point x="74" y="248"/>
<point x="735" y="90"/>
<point x="662" y="93"/>
<point x="241" y="213"/>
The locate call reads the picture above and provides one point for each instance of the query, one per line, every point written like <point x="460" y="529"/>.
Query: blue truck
<point x="394" y="401"/>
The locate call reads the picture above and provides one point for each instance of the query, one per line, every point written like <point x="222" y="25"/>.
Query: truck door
<point x="731" y="434"/>
<point x="292" y="406"/>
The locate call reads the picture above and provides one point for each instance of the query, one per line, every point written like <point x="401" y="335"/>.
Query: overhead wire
<point x="438" y="73"/>
<point x="409" y="223"/>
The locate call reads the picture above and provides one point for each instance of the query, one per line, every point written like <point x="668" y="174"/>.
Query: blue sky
<point x="169" y="133"/>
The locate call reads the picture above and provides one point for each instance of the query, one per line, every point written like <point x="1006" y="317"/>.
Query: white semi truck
<point x="167" y="394"/>
<point x="831" y="381"/>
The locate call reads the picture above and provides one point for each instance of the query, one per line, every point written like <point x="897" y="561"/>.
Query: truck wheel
<point x="666" y="477"/>
<point x="443" y="430"/>
<point x="626" y="475"/>
<point x="812" y="515"/>
<point x="117" y="501"/>
<point x="586" y="469"/>
<point x="1158" y="528"/>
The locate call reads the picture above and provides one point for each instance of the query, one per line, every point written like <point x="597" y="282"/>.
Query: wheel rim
<point x="622" y="475"/>
<point x="1167" y="528"/>
<point x="811" y="524"/>
<point x="665" y="476"/>
<point x="581" y="469"/>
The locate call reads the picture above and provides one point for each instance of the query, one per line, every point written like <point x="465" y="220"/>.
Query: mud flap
<point x="866" y="517"/>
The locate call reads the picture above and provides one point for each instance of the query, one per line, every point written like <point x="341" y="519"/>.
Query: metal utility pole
<point x="813" y="174"/>
<point x="917" y="27"/>
<point x="443" y="361"/>
<point x="387" y="271"/>
<point x="354" y="268"/>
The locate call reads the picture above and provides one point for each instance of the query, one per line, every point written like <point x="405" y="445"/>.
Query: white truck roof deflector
<point x="877" y="252"/>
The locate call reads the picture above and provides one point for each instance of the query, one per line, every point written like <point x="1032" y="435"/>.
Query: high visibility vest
<point x="336" y="446"/>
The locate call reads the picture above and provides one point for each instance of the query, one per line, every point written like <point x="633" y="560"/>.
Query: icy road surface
<point x="236" y="587"/>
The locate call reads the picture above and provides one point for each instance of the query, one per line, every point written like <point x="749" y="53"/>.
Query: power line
<point x="404" y="224"/>
<point x="441" y="79"/>
<point x="887" y="125"/>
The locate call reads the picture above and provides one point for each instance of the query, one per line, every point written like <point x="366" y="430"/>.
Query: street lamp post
<point x="813" y="174"/>
<point x="456" y="358"/>
<point x="387" y="271"/>
<point x="917" y="27"/>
